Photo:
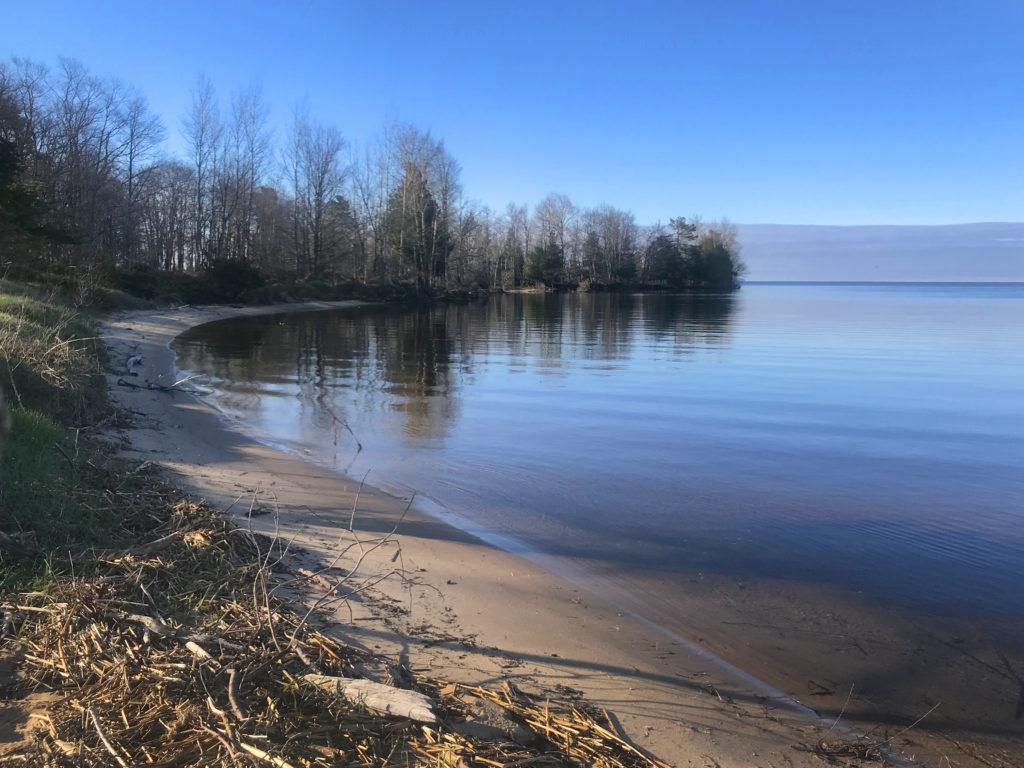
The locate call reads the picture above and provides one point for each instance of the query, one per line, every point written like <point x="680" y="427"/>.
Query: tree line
<point x="86" y="184"/>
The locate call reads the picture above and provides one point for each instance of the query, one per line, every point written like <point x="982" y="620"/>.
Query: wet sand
<point x="477" y="613"/>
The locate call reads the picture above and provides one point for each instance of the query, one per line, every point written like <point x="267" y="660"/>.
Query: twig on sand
<point x="333" y="592"/>
<point x="236" y="709"/>
<point x="911" y="726"/>
<point x="863" y="750"/>
<point x="103" y="738"/>
<point x="841" y="711"/>
<point x="149" y="385"/>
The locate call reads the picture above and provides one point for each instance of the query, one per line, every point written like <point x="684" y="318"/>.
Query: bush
<point x="152" y="284"/>
<point x="314" y="288"/>
<point x="116" y="300"/>
<point x="229" y="282"/>
<point x="223" y="281"/>
<point x="230" y="279"/>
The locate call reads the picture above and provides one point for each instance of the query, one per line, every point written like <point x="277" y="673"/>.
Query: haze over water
<point x="867" y="437"/>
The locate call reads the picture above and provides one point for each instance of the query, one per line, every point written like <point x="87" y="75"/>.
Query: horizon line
<point x="948" y="224"/>
<point x="779" y="281"/>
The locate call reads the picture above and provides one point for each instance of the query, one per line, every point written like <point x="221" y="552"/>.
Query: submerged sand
<point x="449" y="602"/>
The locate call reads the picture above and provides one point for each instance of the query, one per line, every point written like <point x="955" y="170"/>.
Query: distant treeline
<point x="87" y="189"/>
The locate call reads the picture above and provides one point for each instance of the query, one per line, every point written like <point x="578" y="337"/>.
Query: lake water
<point x="865" y="437"/>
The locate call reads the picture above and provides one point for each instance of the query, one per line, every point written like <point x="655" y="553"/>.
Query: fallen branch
<point x="104" y="739"/>
<point x="155" y="387"/>
<point x="376" y="697"/>
<point x="264" y="756"/>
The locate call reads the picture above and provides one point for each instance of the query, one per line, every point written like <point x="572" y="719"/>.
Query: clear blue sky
<point x="874" y="111"/>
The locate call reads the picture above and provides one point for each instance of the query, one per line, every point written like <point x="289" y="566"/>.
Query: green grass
<point x="41" y="312"/>
<point x="45" y="500"/>
<point x="41" y="473"/>
<point x="51" y="377"/>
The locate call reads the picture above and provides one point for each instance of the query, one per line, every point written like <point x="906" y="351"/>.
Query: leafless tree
<point x="318" y="179"/>
<point x="202" y="131"/>
<point x="143" y="133"/>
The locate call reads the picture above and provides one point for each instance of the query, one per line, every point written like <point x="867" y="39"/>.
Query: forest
<point x="89" y="191"/>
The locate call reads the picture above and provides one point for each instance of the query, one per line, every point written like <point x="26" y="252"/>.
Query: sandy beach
<point x="447" y="602"/>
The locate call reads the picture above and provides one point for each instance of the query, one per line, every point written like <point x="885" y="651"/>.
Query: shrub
<point x="230" y="279"/>
<point x="223" y="281"/>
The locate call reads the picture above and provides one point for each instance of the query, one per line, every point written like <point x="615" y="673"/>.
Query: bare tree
<point x="143" y="133"/>
<point x="372" y="180"/>
<point x="251" y="147"/>
<point x="318" y="178"/>
<point x="166" y="218"/>
<point x="202" y="130"/>
<point x="554" y="218"/>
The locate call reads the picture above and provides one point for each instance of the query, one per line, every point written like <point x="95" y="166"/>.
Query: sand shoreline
<point x="476" y="613"/>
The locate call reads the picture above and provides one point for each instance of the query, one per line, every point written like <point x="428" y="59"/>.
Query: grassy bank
<point x="51" y="479"/>
<point x="152" y="624"/>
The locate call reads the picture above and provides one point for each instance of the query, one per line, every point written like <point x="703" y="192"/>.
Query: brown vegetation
<point x="173" y="652"/>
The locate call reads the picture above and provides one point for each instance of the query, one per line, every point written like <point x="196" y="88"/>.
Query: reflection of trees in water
<point x="539" y="335"/>
<point x="402" y="356"/>
<point x="418" y="353"/>
<point x="234" y="353"/>
<point x="406" y="356"/>
<point x="688" y="320"/>
<point x="417" y="360"/>
<point x="556" y="328"/>
<point x="605" y="325"/>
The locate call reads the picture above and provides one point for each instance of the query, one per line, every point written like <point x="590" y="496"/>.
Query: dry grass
<point x="170" y="653"/>
<point x="49" y="357"/>
<point x="576" y="733"/>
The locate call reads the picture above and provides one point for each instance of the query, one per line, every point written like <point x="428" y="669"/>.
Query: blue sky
<point x="791" y="112"/>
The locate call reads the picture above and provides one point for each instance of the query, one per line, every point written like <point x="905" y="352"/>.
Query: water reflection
<point x="421" y="358"/>
<point x="781" y="432"/>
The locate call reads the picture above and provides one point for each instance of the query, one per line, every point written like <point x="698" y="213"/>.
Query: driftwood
<point x="376" y="697"/>
<point x="175" y="387"/>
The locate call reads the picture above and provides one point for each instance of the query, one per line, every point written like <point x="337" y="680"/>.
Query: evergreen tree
<point x="545" y="264"/>
<point x="415" y="229"/>
<point x="665" y="260"/>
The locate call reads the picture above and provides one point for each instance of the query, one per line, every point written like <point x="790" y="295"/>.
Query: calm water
<point x="866" y="437"/>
